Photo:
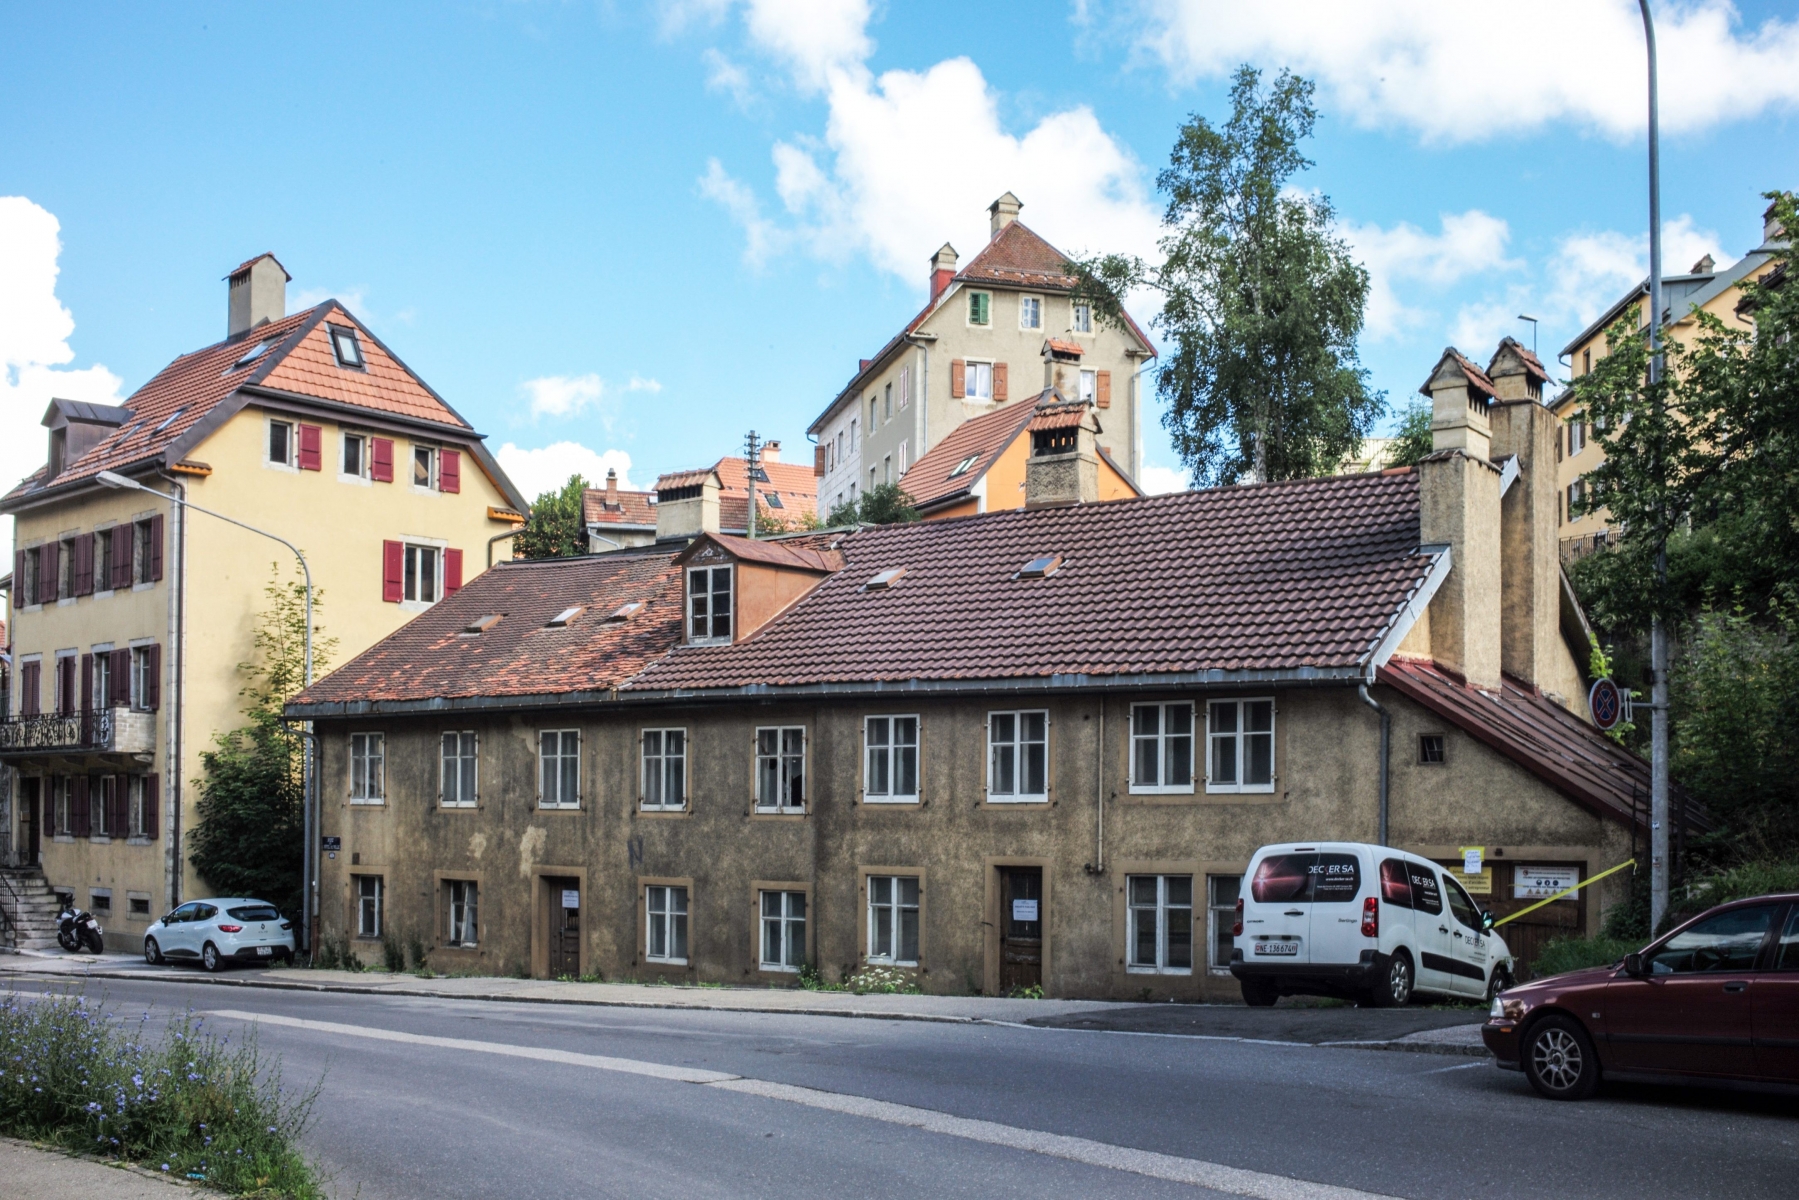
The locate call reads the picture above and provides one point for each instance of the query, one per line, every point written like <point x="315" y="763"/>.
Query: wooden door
<point x="1021" y="928"/>
<point x="565" y="928"/>
<point x="1526" y="936"/>
<point x="30" y="822"/>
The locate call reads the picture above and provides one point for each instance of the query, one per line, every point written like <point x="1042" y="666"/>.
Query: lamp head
<point x="112" y="479"/>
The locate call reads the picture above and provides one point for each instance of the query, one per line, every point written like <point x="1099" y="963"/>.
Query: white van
<point x="1361" y="922"/>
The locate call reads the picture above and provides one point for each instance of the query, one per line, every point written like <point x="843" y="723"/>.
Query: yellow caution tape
<point x="1564" y="892"/>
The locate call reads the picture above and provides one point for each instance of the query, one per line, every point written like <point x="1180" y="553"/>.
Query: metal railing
<point x="87" y="729"/>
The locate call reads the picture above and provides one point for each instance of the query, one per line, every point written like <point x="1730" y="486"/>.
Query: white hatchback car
<point x="1362" y="922"/>
<point x="217" y="932"/>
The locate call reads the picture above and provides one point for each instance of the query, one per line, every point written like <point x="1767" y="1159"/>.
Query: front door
<point x="565" y="928"/>
<point x="1020" y="928"/>
<point x="29" y="821"/>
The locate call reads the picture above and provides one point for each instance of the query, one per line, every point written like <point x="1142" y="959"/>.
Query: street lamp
<point x="113" y="479"/>
<point x="1533" y="330"/>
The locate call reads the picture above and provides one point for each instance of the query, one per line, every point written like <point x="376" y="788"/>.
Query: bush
<point x="885" y="981"/>
<point x="1574" y="954"/>
<point x="184" y="1101"/>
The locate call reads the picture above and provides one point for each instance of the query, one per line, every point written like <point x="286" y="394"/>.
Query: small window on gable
<point x="709" y="604"/>
<point x="1430" y="749"/>
<point x="564" y="618"/>
<point x="759" y="475"/>
<point x="1042" y="565"/>
<point x="346" y="347"/>
<point x="170" y="419"/>
<point x="962" y="467"/>
<point x="980" y="308"/>
<point x="626" y="611"/>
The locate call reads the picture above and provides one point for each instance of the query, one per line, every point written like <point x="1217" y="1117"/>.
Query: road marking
<point x="1235" y="1181"/>
<point x="1458" y="1067"/>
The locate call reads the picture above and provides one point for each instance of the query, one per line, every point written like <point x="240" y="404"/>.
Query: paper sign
<point x="1024" y="910"/>
<point x="571" y="898"/>
<point x="1471" y="857"/>
<point x="1539" y="883"/>
<point x="1478" y="884"/>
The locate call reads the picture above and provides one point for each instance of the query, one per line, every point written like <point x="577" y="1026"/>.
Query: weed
<point x="1032" y="992"/>
<point x="393" y="954"/>
<point x="812" y="981"/>
<point x="883" y="981"/>
<point x="415" y="951"/>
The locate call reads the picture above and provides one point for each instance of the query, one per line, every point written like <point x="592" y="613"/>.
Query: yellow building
<point x="130" y="615"/>
<point x="1705" y="288"/>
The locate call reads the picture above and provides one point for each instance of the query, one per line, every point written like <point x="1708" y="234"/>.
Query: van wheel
<point x="1500" y="981"/>
<point x="1559" y="1059"/>
<point x="1259" y="993"/>
<point x="1395" y="988"/>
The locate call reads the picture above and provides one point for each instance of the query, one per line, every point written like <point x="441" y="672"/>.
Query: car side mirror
<point x="1486" y="921"/>
<point x="1633" y="966"/>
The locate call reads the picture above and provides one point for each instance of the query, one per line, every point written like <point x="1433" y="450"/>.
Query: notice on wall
<point x="571" y="897"/>
<point x="1538" y="883"/>
<point x="1024" y="910"/>
<point x="1471" y="858"/>
<point x="1477" y="883"/>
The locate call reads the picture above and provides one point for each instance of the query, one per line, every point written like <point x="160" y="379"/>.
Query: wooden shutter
<point x="1102" y="389"/>
<point x="31" y="689"/>
<point x="999" y="381"/>
<point x="46" y="572"/>
<point x="818" y="459"/>
<point x="452" y="571"/>
<point x="121" y="556"/>
<point x="449" y="471"/>
<point x="152" y="804"/>
<point x="87" y="683"/>
<point x="79" y="816"/>
<point x="311" y="437"/>
<point x="153" y="685"/>
<point x="121" y="678"/>
<point x="119" y="821"/>
<point x="84" y="564"/>
<point x="18" y="574"/>
<point x="393" y="572"/>
<point x="958" y="379"/>
<point x="156" y="525"/>
<point x="381" y="460"/>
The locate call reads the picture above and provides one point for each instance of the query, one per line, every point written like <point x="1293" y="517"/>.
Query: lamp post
<point x="1533" y="330"/>
<point x="114" y="480"/>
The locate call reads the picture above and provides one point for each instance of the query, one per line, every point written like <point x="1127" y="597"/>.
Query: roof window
<point x="774" y="500"/>
<point x="883" y="579"/>
<point x="1042" y="565"/>
<point x="626" y="611"/>
<point x="564" y="618"/>
<point x="962" y="467"/>
<point x="482" y="624"/>
<point x="759" y="475"/>
<point x="251" y="355"/>
<point x="169" y="420"/>
<point x="348" y="349"/>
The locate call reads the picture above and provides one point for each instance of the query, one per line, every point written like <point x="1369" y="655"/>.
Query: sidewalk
<point x="35" y="1173"/>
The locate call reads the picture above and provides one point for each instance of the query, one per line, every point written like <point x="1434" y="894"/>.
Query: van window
<point x="1463" y="908"/>
<point x="1394" y="887"/>
<point x="1306" y="878"/>
<point x="1427" y="896"/>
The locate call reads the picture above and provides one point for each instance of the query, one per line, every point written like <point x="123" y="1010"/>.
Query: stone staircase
<point x="28" y="910"/>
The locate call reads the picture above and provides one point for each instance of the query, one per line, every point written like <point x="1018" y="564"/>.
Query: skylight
<point x="251" y="355"/>
<point x="963" y="466"/>
<point x="774" y="500"/>
<point x="169" y="420"/>
<point x="1043" y="564"/>
<point x="883" y="579"/>
<point x="759" y="475"/>
<point x="346" y="347"/>
<point x="626" y="611"/>
<point x="564" y="617"/>
<point x="482" y="624"/>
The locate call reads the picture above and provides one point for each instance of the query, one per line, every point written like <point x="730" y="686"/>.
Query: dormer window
<point x="346" y="347"/>
<point x="773" y="499"/>
<point x="481" y="625"/>
<point x="708" y="605"/>
<point x="883" y="579"/>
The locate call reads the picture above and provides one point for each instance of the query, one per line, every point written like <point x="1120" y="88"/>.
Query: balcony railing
<point x="117" y="730"/>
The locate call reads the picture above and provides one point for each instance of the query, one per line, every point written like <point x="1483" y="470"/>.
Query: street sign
<point x="1606" y="703"/>
<point x="1538" y="883"/>
<point x="331" y="843"/>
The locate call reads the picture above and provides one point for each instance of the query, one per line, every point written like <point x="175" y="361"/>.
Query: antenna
<point x="752" y="457"/>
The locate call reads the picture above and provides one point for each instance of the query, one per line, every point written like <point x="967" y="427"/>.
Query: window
<point x="103" y="567"/>
<point x="99" y="799"/>
<point x="1729" y="941"/>
<point x="1577" y="434"/>
<point x="1018" y="756"/>
<point x="99" y="902"/>
<point x="136" y="824"/>
<point x="368" y="776"/>
<point x="368" y="906"/>
<point x="1083" y="318"/>
<point x="559" y="768"/>
<point x="709" y="604"/>
<point x="874" y="412"/>
<point x="904" y="448"/>
<point x="59" y="802"/>
<point x="887" y="403"/>
<point x="783" y="931"/>
<point x="1030" y="312"/>
<point x="281" y="443"/>
<point x="1465" y="910"/>
<point x="139" y="906"/>
<point x="64" y="685"/>
<point x="1577" y="494"/>
<point x="355" y="458"/>
<point x="1305" y="877"/>
<point x="65" y="570"/>
<point x="665" y="909"/>
<point x="1586" y="361"/>
<point x="887" y="469"/>
<point x="1161" y="924"/>
<point x="421" y="573"/>
<point x="781" y="769"/>
<point x="978" y="381"/>
<point x="1430" y="749"/>
<point x="980" y="308"/>
<point x="665" y="769"/>
<point x="1162" y="748"/>
<point x="963" y="466"/>
<point x="424" y="464"/>
<point x="890" y="771"/>
<point x="103" y="697"/>
<point x="1242" y="737"/>
<point x="465" y="913"/>
<point x="346" y="347"/>
<point x="143" y="677"/>
<point x="460" y="759"/>
<point x="852" y="435"/>
<point x="1222" y="892"/>
<point x="27" y="581"/>
<point x="147" y="556"/>
<point x="1786" y="956"/>
<point x="905" y="387"/>
<point x="893" y="919"/>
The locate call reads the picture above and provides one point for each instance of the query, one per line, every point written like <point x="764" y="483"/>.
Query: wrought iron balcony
<point x="117" y="730"/>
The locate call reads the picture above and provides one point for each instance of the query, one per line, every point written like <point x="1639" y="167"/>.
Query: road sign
<point x="331" y="843"/>
<point x="1606" y="703"/>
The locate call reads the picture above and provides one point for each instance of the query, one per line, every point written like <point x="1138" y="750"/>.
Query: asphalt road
<point x="433" y="1098"/>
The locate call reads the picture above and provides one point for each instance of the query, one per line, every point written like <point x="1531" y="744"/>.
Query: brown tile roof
<point x="1477" y="378"/>
<point x="810" y="553"/>
<point x="795" y="481"/>
<point x="682" y="479"/>
<point x="310" y="368"/>
<point x="633" y="508"/>
<point x="1533" y="366"/>
<point x="1064" y="414"/>
<point x="1020" y="258"/>
<point x="930" y="483"/>
<point x="1297" y="577"/>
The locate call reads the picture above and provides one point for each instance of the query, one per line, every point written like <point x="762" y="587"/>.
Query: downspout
<point x="1098" y="865"/>
<point x="510" y="533"/>
<point x="173" y="858"/>
<point x="1386" y="742"/>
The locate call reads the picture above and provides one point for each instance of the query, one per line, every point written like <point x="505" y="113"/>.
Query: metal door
<point x="565" y="928"/>
<point x="1021" y="928"/>
<point x="1430" y="928"/>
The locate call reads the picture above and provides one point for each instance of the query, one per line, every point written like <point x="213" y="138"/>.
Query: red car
<point x="1716" y="999"/>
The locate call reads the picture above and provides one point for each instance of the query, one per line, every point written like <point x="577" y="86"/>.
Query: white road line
<point x="1459" y="1067"/>
<point x="1233" y="1180"/>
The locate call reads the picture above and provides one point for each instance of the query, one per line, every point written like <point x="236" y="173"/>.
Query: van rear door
<point x="1336" y="932"/>
<point x="1277" y="913"/>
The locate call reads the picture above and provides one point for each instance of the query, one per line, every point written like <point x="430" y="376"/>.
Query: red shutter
<point x="152" y="804"/>
<point x="121" y="678"/>
<point x="79" y="816"/>
<point x="153" y="700"/>
<point x="1102" y="389"/>
<point x="452" y="571"/>
<point x="449" y="471"/>
<point x="155" y="548"/>
<point x="310" y="440"/>
<point x="46" y="573"/>
<point x="999" y="381"/>
<point x="381" y="460"/>
<point x="31" y="689"/>
<point x="393" y="572"/>
<point x="121" y="556"/>
<point x="958" y="379"/>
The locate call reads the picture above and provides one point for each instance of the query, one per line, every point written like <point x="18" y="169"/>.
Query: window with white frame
<point x="1018" y="756"/>
<point x="368" y="906"/>
<point x="281" y="443"/>
<point x="460" y="759"/>
<point x="1222" y="893"/>
<point x="422" y="566"/>
<point x="977" y="380"/>
<point x="100" y="809"/>
<point x="1089" y="385"/>
<point x="1083" y="318"/>
<point x="134" y="799"/>
<point x="709" y="604"/>
<point x="1161" y="924"/>
<point x="665" y="768"/>
<point x="103" y="695"/>
<point x="1162" y="748"/>
<point x="781" y="769"/>
<point x="143" y="677"/>
<point x="783" y="931"/>
<point x="1577" y="434"/>
<point x="355" y="460"/>
<point x="1242" y="746"/>
<point x="424" y="466"/>
<point x="890" y="763"/>
<point x="893" y="919"/>
<point x="905" y="387"/>
<point x="665" y="908"/>
<point x="1030" y="312"/>
<point x="559" y="768"/>
<point x="464" y="897"/>
<point x="368" y="775"/>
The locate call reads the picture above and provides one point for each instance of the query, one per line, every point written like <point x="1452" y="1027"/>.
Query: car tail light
<point x="1237" y="929"/>
<point x="1371" y="917"/>
<point x="231" y="929"/>
<point x="287" y="924"/>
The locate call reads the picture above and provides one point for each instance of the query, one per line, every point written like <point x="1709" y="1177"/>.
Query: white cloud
<point x="1468" y="243"/>
<point x="1591" y="271"/>
<point x="723" y="75"/>
<point x="547" y="468"/>
<point x="571" y="395"/>
<point x="816" y="38"/>
<point x="1457" y="70"/>
<point x="1156" y="480"/>
<point x="762" y="237"/>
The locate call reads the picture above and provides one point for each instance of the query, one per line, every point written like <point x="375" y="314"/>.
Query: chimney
<point x="1530" y="642"/>
<point x="257" y="293"/>
<point x="1063" y="467"/>
<point x="771" y="452"/>
<point x="943" y="269"/>
<point x="612" y="489"/>
<point x="1459" y="506"/>
<point x="1703" y="266"/>
<point x="686" y="504"/>
<point x="1771" y="230"/>
<point x="1001" y="213"/>
<point x="1059" y="358"/>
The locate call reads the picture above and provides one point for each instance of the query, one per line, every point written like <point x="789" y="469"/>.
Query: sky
<point x="619" y="234"/>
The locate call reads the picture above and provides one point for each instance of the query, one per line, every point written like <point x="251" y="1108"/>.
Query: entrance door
<point x="565" y="927"/>
<point x="1021" y="928"/>
<point x="29" y="821"/>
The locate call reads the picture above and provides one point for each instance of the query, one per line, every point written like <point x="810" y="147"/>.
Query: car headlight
<point x="1497" y="1012"/>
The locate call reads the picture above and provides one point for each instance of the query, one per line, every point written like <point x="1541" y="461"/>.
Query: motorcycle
<point x="76" y="929"/>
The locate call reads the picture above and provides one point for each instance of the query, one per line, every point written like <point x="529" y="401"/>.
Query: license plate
<point x="265" y="949"/>
<point x="1277" y="947"/>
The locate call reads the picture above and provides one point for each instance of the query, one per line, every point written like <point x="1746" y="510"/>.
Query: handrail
<point x="88" y="728"/>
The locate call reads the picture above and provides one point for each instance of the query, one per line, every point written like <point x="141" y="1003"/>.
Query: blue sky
<point x="625" y="233"/>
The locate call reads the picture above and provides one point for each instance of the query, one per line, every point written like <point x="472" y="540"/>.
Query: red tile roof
<point x="1063" y="414"/>
<point x="682" y="479"/>
<point x="811" y="553"/>
<point x="1477" y="378"/>
<point x="1060" y="347"/>
<point x="985" y="437"/>
<point x="1533" y="366"/>
<point x="1020" y="258"/>
<point x="633" y="508"/>
<point x="795" y="482"/>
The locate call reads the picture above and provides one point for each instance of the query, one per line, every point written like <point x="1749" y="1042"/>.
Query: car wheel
<point x="1395" y="988"/>
<point x="152" y="952"/>
<point x="209" y="957"/>
<point x="1500" y="981"/>
<point x="1559" y="1059"/>
<point x="1259" y="993"/>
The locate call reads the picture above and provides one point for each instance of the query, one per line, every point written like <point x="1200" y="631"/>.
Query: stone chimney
<point x="1530" y="642"/>
<point x="687" y="504"/>
<point x="1061" y="365"/>
<point x="771" y="452"/>
<point x="257" y="292"/>
<point x="943" y="269"/>
<point x="612" y="489"/>
<point x="1001" y="213"/>
<point x="1771" y="230"/>
<point x="1064" y="464"/>
<point x="1458" y="489"/>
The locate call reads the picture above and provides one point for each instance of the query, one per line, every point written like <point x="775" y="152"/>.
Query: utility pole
<point x="752" y="455"/>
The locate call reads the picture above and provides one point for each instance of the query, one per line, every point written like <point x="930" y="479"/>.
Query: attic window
<point x="626" y="611"/>
<point x="251" y="355"/>
<point x="564" y="618"/>
<point x="346" y="347"/>
<point x="962" y="467"/>
<point x="883" y="579"/>
<point x="774" y="500"/>
<point x="1042" y="565"/>
<point x="759" y="475"/>
<point x="169" y="420"/>
<point x="482" y="624"/>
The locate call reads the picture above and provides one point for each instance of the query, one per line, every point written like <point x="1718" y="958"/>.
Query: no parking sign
<point x="1606" y="703"/>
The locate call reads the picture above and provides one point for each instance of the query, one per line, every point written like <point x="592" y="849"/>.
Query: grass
<point x="1572" y="954"/>
<point x="179" y="1100"/>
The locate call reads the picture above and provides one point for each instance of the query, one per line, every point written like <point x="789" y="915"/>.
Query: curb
<point x="116" y="1164"/>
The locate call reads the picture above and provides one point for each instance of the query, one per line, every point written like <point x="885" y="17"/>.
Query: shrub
<point x="885" y="981"/>
<point x="1574" y="954"/>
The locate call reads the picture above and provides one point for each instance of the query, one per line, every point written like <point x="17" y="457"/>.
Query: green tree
<point x="1260" y="299"/>
<point x="249" y="836"/>
<point x="557" y="527"/>
<point x="1412" y="440"/>
<point x="887" y="504"/>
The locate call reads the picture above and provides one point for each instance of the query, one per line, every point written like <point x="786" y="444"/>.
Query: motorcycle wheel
<point x="68" y="942"/>
<point x="95" y="943"/>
